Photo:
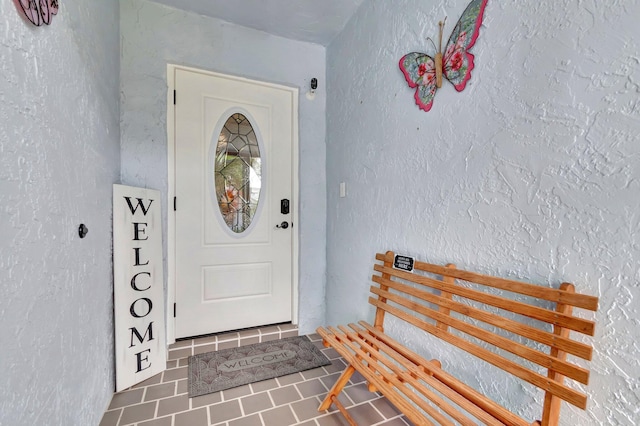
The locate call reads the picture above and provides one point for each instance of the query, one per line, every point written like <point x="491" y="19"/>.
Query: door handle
<point x="283" y="225"/>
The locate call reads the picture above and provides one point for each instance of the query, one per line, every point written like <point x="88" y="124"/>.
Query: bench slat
<point x="375" y="347"/>
<point x="412" y="374"/>
<point x="407" y="380"/>
<point x="413" y="370"/>
<point x="406" y="407"/>
<point x="555" y="341"/>
<point x="542" y="359"/>
<point x="467" y="392"/>
<point x="553" y="295"/>
<point x="551" y="317"/>
<point x="576" y="398"/>
<point x="356" y="357"/>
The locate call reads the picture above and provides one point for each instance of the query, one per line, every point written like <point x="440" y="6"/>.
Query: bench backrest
<point x="438" y="299"/>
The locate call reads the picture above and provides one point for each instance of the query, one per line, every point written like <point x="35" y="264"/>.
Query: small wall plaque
<point x="404" y="263"/>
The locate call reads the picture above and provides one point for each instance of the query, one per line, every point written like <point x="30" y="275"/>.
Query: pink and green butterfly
<point x="424" y="73"/>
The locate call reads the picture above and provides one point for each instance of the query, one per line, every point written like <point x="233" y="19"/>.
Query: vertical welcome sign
<point x="137" y="285"/>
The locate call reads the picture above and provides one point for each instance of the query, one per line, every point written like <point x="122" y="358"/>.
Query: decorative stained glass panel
<point x="238" y="173"/>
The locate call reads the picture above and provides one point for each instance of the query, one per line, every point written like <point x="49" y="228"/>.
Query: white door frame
<point x="171" y="175"/>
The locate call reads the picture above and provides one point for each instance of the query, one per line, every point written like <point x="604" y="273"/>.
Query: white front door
<point x="234" y="164"/>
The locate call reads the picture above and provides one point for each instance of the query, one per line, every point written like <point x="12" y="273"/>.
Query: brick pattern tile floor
<point x="284" y="401"/>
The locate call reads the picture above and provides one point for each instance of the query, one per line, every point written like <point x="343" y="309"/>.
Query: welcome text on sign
<point x="142" y="307"/>
<point x="139" y="307"/>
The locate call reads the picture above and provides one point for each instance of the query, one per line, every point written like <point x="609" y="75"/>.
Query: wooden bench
<point x="522" y="329"/>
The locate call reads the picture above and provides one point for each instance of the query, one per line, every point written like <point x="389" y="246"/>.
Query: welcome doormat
<point x="228" y="368"/>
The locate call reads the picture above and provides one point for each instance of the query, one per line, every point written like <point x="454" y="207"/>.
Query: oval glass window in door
<point x="238" y="173"/>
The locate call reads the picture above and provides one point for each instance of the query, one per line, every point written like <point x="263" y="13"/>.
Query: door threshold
<point x="230" y="339"/>
<point x="285" y="325"/>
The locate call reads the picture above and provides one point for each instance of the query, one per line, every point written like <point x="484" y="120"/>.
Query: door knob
<point x="283" y="225"/>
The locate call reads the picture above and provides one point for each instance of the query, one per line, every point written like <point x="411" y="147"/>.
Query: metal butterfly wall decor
<point x="38" y="12"/>
<point x="424" y="73"/>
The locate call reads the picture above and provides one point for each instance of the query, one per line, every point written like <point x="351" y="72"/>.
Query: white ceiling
<point x="315" y="21"/>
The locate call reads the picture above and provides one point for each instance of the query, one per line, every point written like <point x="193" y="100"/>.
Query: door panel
<point x="249" y="280"/>
<point x="225" y="279"/>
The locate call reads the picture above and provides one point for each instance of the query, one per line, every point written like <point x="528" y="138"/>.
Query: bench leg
<point x="344" y="411"/>
<point x="337" y="388"/>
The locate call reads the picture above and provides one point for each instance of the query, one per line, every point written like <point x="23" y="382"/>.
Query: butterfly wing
<point x="420" y="72"/>
<point x="48" y="8"/>
<point x="457" y="62"/>
<point x="45" y="11"/>
<point x="30" y="10"/>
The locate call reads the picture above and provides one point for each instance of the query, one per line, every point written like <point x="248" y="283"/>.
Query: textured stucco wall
<point x="154" y="35"/>
<point x="59" y="156"/>
<point x="533" y="172"/>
